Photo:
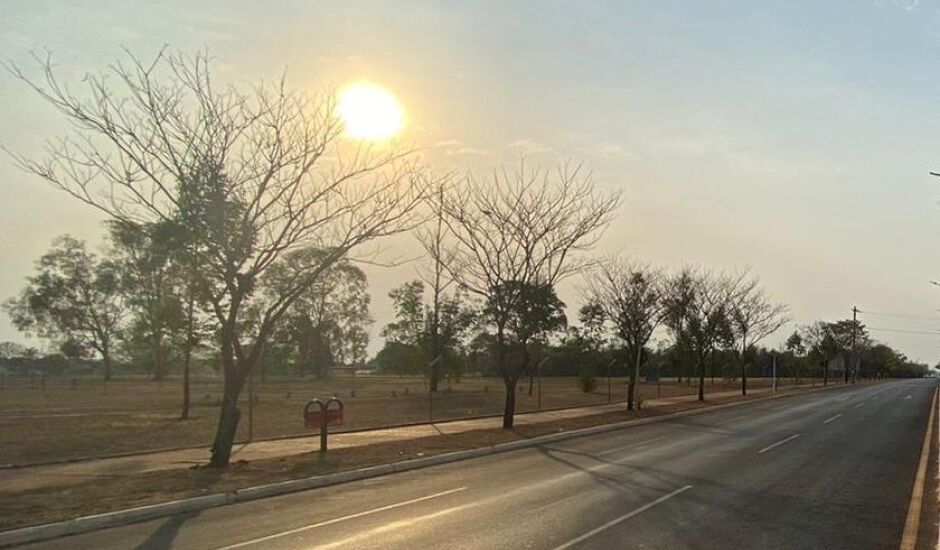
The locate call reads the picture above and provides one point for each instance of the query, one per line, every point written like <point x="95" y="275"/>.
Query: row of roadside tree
<point x="235" y="212"/>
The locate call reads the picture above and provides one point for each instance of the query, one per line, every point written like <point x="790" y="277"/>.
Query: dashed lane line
<point x="777" y="444"/>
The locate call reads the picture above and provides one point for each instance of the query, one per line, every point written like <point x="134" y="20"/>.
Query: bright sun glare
<point x="369" y="112"/>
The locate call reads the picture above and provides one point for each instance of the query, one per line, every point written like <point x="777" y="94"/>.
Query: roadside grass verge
<point x="32" y="507"/>
<point x="56" y="420"/>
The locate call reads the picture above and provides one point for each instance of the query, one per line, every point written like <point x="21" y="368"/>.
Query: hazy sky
<point x="791" y="137"/>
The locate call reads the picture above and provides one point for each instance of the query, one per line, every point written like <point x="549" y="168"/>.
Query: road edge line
<point x="128" y="516"/>
<point x="912" y="523"/>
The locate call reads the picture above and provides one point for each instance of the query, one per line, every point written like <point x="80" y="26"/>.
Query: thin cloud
<point x="908" y="5"/>
<point x="528" y="146"/>
<point x="454" y="147"/>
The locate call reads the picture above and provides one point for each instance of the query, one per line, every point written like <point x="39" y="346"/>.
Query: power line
<point x="900" y="315"/>
<point x="904" y="331"/>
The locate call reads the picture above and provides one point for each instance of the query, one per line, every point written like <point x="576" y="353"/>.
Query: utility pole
<point x="854" y="355"/>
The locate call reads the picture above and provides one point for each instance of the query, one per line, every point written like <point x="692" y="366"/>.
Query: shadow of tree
<point x="163" y="537"/>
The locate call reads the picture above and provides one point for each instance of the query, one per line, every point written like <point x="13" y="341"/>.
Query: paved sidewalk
<point x="35" y="477"/>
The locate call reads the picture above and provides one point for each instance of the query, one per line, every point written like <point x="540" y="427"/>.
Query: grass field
<point x="68" y="418"/>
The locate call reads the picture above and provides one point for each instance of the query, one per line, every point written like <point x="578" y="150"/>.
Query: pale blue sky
<point x="791" y="137"/>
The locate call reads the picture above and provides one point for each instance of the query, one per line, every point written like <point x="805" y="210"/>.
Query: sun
<point x="369" y="111"/>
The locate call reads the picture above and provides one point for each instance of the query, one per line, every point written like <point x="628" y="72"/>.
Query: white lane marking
<point x="857" y="405"/>
<point x="371" y="534"/>
<point x="777" y="444"/>
<point x="831" y="418"/>
<point x="636" y="445"/>
<point x="622" y="518"/>
<point x="343" y="518"/>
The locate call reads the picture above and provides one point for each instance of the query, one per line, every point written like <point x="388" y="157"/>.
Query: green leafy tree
<point x="536" y="314"/>
<point x="436" y="332"/>
<point x="328" y="322"/>
<point x="143" y="255"/>
<point x="797" y="350"/>
<point x="849" y="336"/>
<point x="697" y="312"/>
<point x="73" y="298"/>
<point x="821" y="345"/>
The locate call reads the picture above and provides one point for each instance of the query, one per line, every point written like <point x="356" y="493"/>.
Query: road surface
<point x="831" y="470"/>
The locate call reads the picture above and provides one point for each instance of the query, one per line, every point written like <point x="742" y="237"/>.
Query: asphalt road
<point x="829" y="470"/>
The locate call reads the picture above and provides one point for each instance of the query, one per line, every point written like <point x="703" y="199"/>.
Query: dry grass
<point x="58" y="421"/>
<point x="18" y="509"/>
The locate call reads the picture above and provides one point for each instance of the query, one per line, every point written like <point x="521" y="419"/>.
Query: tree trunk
<point x="825" y="367"/>
<point x="188" y="353"/>
<point x="743" y="377"/>
<point x="229" y="416"/>
<point x="509" y="411"/>
<point x="632" y="393"/>
<point x="187" y="356"/>
<point x="106" y="359"/>
<point x="235" y="375"/>
<point x="701" y="381"/>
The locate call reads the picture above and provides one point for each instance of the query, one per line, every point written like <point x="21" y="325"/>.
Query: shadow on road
<point x="163" y="537"/>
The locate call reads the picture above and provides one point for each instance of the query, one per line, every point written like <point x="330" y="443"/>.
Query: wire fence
<point x="44" y="419"/>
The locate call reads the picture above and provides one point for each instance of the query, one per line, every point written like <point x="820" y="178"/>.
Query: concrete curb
<point x="134" y="515"/>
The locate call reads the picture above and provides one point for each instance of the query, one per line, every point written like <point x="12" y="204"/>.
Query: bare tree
<point x="433" y="238"/>
<point x="753" y="318"/>
<point x="632" y="298"/>
<point x="517" y="231"/>
<point x="251" y="173"/>
<point x="698" y="315"/>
